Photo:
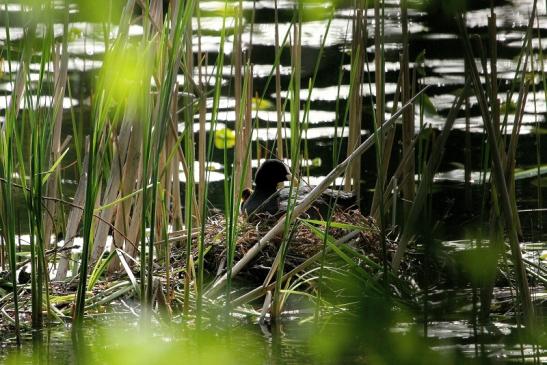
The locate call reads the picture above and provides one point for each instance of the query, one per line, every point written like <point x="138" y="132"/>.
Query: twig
<point x="73" y="206"/>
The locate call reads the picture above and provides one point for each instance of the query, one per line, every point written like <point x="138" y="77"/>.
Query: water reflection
<point x="33" y="101"/>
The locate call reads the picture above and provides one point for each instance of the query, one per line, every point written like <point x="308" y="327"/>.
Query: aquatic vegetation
<point x="129" y="136"/>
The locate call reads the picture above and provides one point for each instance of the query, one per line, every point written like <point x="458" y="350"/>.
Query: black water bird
<point x="267" y="180"/>
<point x="268" y="199"/>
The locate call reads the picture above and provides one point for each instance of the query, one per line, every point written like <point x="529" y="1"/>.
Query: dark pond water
<point x="443" y="71"/>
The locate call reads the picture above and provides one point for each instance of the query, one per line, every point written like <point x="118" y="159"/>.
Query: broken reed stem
<point x="309" y="198"/>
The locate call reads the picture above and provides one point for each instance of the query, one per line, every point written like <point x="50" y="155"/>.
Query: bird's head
<point x="270" y="174"/>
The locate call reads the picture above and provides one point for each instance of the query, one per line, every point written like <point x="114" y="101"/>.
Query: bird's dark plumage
<point x="266" y="198"/>
<point x="320" y="207"/>
<point x="267" y="178"/>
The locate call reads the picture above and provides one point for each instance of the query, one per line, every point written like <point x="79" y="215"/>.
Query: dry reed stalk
<point x="135" y="223"/>
<point x="172" y="190"/>
<point x="164" y="198"/>
<point x="170" y="179"/>
<point x="379" y="78"/>
<point x="247" y="128"/>
<point x="202" y="148"/>
<point x="278" y="104"/>
<point x="156" y="14"/>
<point x="468" y="166"/>
<point x="60" y="67"/>
<point x="110" y="195"/>
<point x="240" y="106"/>
<point x="95" y="222"/>
<point x="177" y="218"/>
<point x="378" y="63"/>
<point x="494" y="101"/>
<point x="202" y="134"/>
<point x="130" y="181"/>
<point x="115" y="187"/>
<point x="408" y="189"/>
<point x="380" y="188"/>
<point x="296" y="65"/>
<point x="196" y="214"/>
<point x="20" y="84"/>
<point x="353" y="178"/>
<point x="73" y="221"/>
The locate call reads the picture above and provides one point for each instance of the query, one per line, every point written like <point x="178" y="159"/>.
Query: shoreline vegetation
<point x="136" y="232"/>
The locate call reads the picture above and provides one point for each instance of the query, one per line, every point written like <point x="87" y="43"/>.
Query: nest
<point x="303" y="242"/>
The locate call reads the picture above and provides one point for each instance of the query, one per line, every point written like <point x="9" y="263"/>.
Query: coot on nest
<point x="267" y="199"/>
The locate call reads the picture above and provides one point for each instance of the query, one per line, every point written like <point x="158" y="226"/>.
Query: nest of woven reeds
<point x="303" y="242"/>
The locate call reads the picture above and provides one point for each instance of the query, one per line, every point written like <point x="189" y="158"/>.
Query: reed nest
<point x="303" y="242"/>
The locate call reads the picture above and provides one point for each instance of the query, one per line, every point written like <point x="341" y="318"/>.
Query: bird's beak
<point x="288" y="177"/>
<point x="292" y="179"/>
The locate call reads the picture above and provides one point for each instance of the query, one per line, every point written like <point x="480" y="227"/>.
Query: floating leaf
<point x="225" y="138"/>
<point x="508" y="107"/>
<point x="530" y="77"/>
<point x="74" y="34"/>
<point x="316" y="162"/>
<point x="262" y="104"/>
